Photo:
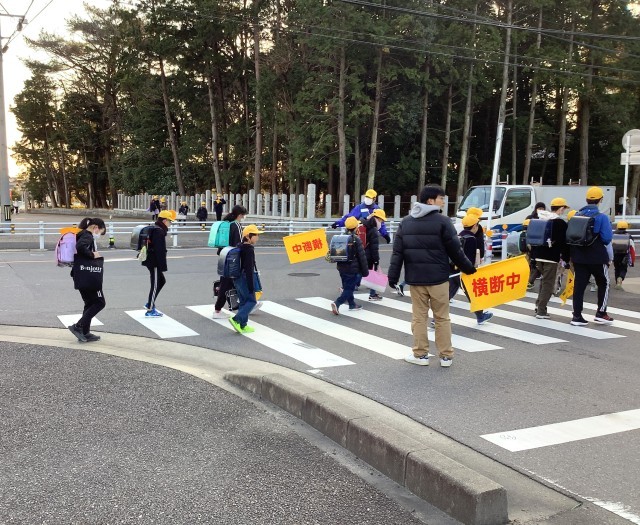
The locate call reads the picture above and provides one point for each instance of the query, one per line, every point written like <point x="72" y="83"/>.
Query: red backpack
<point x="361" y="232"/>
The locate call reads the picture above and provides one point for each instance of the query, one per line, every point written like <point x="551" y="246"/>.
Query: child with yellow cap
<point x="351" y="269"/>
<point x="202" y="214"/>
<point x="245" y="285"/>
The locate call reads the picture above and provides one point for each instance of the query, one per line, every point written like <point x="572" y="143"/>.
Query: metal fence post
<point x="174" y="232"/>
<point x="41" y="228"/>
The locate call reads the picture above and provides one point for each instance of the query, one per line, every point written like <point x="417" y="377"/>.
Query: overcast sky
<point x="53" y="14"/>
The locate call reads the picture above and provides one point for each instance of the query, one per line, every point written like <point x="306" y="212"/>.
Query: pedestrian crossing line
<point x="458" y="342"/>
<point x="566" y="432"/>
<point x="282" y="343"/>
<point x="470" y="322"/>
<point x="592" y="306"/>
<point x="164" y="327"/>
<point x="348" y="335"/>
<point x="70" y="319"/>
<point x="625" y="325"/>
<point x="544" y="324"/>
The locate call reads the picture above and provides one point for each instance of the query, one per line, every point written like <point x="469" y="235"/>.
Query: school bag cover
<point x="342" y="248"/>
<point x="580" y="230"/>
<point x="66" y="249"/>
<point x="621" y="243"/>
<point x="229" y="264"/>
<point x="539" y="232"/>
<point x="219" y="234"/>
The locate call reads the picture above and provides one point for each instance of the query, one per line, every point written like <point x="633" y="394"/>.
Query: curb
<point x="454" y="488"/>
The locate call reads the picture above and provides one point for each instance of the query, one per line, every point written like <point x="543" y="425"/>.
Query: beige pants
<point x="435" y="298"/>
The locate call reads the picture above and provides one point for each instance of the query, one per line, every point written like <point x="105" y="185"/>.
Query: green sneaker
<point x="248" y="329"/>
<point x="236" y="326"/>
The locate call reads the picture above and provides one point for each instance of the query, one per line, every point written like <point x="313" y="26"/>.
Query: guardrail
<point x="41" y="231"/>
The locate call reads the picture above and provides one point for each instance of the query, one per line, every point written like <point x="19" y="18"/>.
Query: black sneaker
<point x="92" y="337"/>
<point x="578" y="320"/>
<point x="603" y="318"/>
<point x="78" y="333"/>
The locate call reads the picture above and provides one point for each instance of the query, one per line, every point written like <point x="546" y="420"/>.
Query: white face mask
<point x="368" y="201"/>
<point x="96" y="236"/>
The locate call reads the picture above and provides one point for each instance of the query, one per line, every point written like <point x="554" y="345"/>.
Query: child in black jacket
<point x="351" y="270"/>
<point x="373" y="223"/>
<point x="156" y="261"/>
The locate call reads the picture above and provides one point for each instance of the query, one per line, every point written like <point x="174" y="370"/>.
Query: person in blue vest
<point x="362" y="211"/>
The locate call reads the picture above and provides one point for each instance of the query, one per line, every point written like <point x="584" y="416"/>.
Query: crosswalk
<point x="382" y="328"/>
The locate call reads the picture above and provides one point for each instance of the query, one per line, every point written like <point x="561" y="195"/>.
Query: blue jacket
<point x="361" y="212"/>
<point x="597" y="252"/>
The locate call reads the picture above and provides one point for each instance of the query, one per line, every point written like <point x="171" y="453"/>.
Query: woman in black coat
<point x="90" y="230"/>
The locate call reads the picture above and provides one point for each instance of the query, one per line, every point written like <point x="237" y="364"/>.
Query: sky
<point x="48" y="15"/>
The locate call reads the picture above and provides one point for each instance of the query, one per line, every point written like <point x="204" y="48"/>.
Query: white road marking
<point x="385" y="321"/>
<point x="346" y="334"/>
<point x="566" y="432"/>
<point x="591" y="306"/>
<point x="282" y="343"/>
<point x="164" y="327"/>
<point x="545" y="324"/>
<point x="70" y="319"/>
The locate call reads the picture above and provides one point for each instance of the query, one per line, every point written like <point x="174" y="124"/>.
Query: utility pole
<point x="5" y="199"/>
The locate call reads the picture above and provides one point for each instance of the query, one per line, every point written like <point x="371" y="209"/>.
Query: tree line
<point x="270" y="95"/>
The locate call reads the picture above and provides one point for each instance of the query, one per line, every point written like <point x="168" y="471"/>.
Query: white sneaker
<point x="256" y="308"/>
<point x="222" y="314"/>
<point x="421" y="361"/>
<point x="446" y="362"/>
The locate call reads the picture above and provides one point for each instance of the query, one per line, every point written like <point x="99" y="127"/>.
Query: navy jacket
<point x="157" y="249"/>
<point x="359" y="263"/>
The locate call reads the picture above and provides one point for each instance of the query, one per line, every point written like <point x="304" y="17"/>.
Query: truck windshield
<point x="478" y="197"/>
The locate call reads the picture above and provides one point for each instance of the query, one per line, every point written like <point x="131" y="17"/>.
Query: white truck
<point x="513" y="203"/>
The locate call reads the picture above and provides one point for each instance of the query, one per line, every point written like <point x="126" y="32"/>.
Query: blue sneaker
<point x="153" y="313"/>
<point x="146" y="306"/>
<point x="485" y="317"/>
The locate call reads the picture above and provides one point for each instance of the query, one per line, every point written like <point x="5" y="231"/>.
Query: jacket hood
<point x="589" y="210"/>
<point x="420" y="210"/>
<point x="547" y="215"/>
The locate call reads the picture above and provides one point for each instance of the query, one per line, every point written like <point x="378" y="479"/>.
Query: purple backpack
<point x="66" y="249"/>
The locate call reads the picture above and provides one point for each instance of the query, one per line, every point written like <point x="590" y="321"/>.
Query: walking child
<point x="245" y="284"/>
<point x="373" y="223"/>
<point x="156" y="261"/>
<point x="351" y="269"/>
<point x="623" y="259"/>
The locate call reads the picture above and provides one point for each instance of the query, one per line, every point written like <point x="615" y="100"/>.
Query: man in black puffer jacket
<point x="425" y="242"/>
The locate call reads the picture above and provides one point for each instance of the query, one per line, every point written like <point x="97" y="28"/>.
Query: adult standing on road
<point x="362" y="211"/>
<point x="90" y="231"/>
<point x="592" y="260"/>
<point x="156" y="261"/>
<point x="425" y="242"/>
<point x="548" y="255"/>
<point x="202" y="214"/>
<point x="238" y="213"/>
<point x="218" y="204"/>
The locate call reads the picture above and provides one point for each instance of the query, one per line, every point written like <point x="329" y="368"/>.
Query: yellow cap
<point x="571" y="214"/>
<point x="163" y="199"/>
<point x="168" y="214"/>
<point x="202" y="203"/>
<point x="252" y="228"/>
<point x="526" y="222"/>
<point x="351" y="223"/>
<point x="594" y="192"/>
<point x="474" y="211"/>
<point x="470" y="220"/>
<point x="379" y="212"/>
<point x="371" y="194"/>
<point x="623" y="224"/>
<point x="184" y="202"/>
<point x="559" y="201"/>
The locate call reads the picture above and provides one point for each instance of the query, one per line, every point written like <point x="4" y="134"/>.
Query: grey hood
<point x="420" y="210"/>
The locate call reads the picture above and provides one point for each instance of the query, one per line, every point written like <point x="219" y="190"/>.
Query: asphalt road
<point x="516" y="386"/>
<point x="90" y="438"/>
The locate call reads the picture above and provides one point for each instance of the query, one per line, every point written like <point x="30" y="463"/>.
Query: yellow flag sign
<point x="306" y="246"/>
<point x="568" y="289"/>
<point x="497" y="283"/>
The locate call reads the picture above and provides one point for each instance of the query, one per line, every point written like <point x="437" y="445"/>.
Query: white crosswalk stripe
<point x="458" y="342"/>
<point x="473" y="345"/>
<point x="70" y="319"/>
<point x="591" y="306"/>
<point x="282" y="343"/>
<point x="164" y="327"/>
<point x="349" y="335"/>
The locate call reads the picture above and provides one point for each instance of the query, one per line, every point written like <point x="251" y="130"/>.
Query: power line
<point x="3" y="7"/>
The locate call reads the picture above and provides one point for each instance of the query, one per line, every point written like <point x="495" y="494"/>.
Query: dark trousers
<point x="246" y="300"/>
<point x="93" y="303"/>
<point x="620" y="265"/>
<point x="219" y="215"/>
<point x="455" y="284"/>
<point x="157" y="283"/>
<point x="582" y="273"/>
<point x="226" y="284"/>
<point x="349" y="282"/>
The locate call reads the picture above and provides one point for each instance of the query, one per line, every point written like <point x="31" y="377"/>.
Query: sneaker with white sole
<point x="256" y="308"/>
<point x="421" y="361"/>
<point x="376" y="297"/>
<point x="543" y="316"/>
<point x="400" y="289"/>
<point x="603" y="318"/>
<point x="486" y="317"/>
<point x="619" y="283"/>
<point x="446" y="362"/>
<point x="355" y="308"/>
<point x="578" y="320"/>
<point x="222" y="314"/>
<point x="334" y="309"/>
<point x="153" y="313"/>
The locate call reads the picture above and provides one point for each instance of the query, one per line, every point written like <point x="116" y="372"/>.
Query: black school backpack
<point x="580" y="230"/>
<point x="539" y="232"/>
